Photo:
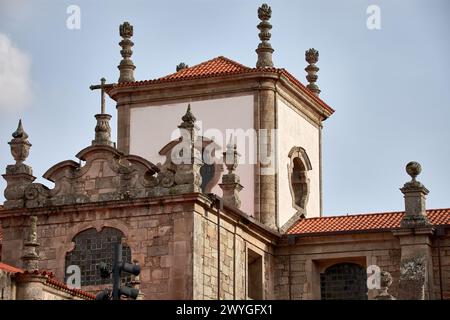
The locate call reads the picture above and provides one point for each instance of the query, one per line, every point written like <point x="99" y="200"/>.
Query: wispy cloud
<point x="15" y="80"/>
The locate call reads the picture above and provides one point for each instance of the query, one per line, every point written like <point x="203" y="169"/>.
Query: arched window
<point x="92" y="248"/>
<point x="344" y="281"/>
<point x="299" y="165"/>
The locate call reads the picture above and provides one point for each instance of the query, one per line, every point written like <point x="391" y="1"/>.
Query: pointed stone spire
<point x="264" y="49"/>
<point x="230" y="181"/>
<point x="312" y="57"/>
<point x="188" y="119"/>
<point x="30" y="258"/>
<point x="415" y="195"/>
<point x="126" y="66"/>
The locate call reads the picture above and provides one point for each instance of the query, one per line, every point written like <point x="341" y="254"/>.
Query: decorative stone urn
<point x="20" y="146"/>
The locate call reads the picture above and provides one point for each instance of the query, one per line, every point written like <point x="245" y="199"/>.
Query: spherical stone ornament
<point x="413" y="169"/>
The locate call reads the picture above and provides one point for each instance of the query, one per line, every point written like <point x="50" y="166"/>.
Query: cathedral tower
<point x="277" y="122"/>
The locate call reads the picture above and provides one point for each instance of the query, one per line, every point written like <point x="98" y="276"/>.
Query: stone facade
<point x="228" y="279"/>
<point x="301" y="260"/>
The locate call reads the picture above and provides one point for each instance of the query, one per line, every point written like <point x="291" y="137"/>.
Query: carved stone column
<point x="30" y="257"/>
<point x="416" y="271"/>
<point x="267" y="155"/>
<point x="30" y="284"/>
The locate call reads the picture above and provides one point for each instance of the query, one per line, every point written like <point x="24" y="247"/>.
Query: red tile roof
<point x="222" y="66"/>
<point x="362" y="222"/>
<point x="217" y="66"/>
<point x="10" y="269"/>
<point x="51" y="281"/>
<point x="63" y="287"/>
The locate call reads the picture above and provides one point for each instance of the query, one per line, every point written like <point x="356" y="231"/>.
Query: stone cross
<point x="102" y="86"/>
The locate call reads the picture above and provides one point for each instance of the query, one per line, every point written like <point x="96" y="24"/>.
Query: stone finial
<point x="312" y="57"/>
<point x="415" y="198"/>
<point x="182" y="66"/>
<point x="264" y="49"/>
<point x="231" y="156"/>
<point x="30" y="258"/>
<point x="385" y="283"/>
<point x="413" y="169"/>
<point x="102" y="130"/>
<point x="20" y="146"/>
<point x="230" y="181"/>
<point x="126" y="66"/>
<point x="187" y="156"/>
<point x="188" y="119"/>
<point x="18" y="176"/>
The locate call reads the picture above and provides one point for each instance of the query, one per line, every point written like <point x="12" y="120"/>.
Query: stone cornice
<point x="232" y="215"/>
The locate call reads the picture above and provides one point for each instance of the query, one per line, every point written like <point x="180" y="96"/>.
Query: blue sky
<point x="389" y="87"/>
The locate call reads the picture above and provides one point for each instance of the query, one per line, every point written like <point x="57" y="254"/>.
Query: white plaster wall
<point x="152" y="127"/>
<point x="295" y="130"/>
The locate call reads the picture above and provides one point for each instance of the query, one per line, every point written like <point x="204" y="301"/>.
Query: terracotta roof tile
<point x="362" y="222"/>
<point x="222" y="66"/>
<point x="63" y="287"/>
<point x="51" y="280"/>
<point x="216" y="66"/>
<point x="10" y="269"/>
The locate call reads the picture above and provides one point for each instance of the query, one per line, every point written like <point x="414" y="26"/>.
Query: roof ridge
<point x="355" y="215"/>
<point x="232" y="61"/>
<point x="372" y="213"/>
<point x="223" y="58"/>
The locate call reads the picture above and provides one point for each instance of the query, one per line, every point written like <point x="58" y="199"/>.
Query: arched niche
<point x="298" y="167"/>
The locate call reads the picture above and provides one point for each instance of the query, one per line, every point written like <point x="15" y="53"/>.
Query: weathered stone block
<point x="154" y="251"/>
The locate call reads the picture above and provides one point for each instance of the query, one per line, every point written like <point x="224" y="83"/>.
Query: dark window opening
<point x="299" y="183"/>
<point x="207" y="172"/>
<point x="254" y="276"/>
<point x="344" y="281"/>
<point x="92" y="248"/>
